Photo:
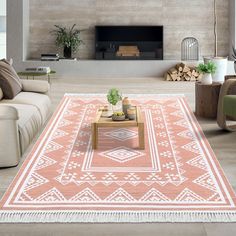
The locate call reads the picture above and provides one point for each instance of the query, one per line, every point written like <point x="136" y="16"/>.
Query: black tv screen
<point x="129" y="33"/>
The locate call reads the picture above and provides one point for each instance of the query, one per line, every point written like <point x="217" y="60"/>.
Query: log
<point x="174" y="77"/>
<point x="189" y="73"/>
<point x="167" y="77"/>
<point x="180" y="66"/>
<point x="127" y="51"/>
<point x="173" y="71"/>
<point x="180" y="74"/>
<point x="187" y="78"/>
<point x="186" y="69"/>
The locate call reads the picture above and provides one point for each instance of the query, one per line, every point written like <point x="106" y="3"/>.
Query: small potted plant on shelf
<point x="207" y="70"/>
<point x="68" y="39"/>
<point x="113" y="97"/>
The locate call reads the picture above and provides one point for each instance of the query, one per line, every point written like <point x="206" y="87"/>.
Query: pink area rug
<point x="177" y="178"/>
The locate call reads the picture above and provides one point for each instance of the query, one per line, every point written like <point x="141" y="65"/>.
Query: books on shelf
<point x="50" y="57"/>
<point x="55" y="57"/>
<point x="40" y="69"/>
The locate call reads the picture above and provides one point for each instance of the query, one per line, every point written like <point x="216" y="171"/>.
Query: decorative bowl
<point x="118" y="118"/>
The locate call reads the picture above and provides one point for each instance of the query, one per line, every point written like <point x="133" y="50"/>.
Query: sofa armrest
<point x="36" y="86"/>
<point x="9" y="137"/>
<point x="8" y="113"/>
<point x="225" y="88"/>
<point x="230" y="77"/>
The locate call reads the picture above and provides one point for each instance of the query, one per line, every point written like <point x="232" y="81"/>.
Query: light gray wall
<point x="17" y="48"/>
<point x="17" y="30"/>
<point x="181" y="18"/>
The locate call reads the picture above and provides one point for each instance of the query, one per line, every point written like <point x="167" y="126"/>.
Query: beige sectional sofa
<point x="21" y="118"/>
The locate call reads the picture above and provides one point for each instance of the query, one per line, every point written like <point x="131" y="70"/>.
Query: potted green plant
<point x="220" y="62"/>
<point x="68" y="39"/>
<point x="207" y="70"/>
<point x="113" y="97"/>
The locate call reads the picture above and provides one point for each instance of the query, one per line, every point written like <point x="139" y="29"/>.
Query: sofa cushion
<point x="41" y="101"/>
<point x="9" y="80"/>
<point x="29" y="123"/>
<point x="229" y="105"/>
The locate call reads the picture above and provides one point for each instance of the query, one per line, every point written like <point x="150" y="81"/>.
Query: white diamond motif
<point x="122" y="154"/>
<point x="121" y="134"/>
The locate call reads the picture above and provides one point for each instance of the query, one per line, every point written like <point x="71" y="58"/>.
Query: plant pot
<point x="67" y="52"/>
<point x="221" y="65"/>
<point x="206" y="79"/>
<point x="117" y="107"/>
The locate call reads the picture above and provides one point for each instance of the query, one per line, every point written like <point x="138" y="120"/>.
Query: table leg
<point x="49" y="79"/>
<point x="94" y="136"/>
<point x="141" y="135"/>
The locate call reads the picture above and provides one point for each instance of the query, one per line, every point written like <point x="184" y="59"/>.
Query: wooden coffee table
<point x="108" y="122"/>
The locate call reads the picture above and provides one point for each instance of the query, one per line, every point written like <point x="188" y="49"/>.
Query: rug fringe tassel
<point x="113" y="217"/>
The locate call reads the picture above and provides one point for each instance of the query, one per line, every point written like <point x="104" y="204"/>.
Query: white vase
<point x="117" y="107"/>
<point x="221" y="67"/>
<point x="206" y="79"/>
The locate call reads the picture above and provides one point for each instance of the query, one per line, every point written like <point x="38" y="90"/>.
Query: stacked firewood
<point x="182" y="72"/>
<point x="128" y="51"/>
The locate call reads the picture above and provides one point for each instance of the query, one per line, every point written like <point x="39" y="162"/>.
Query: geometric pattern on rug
<point x="176" y="177"/>
<point x="122" y="134"/>
<point x="121" y="154"/>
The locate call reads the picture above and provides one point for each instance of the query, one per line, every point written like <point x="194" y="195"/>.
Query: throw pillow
<point x="1" y="94"/>
<point x="9" y="81"/>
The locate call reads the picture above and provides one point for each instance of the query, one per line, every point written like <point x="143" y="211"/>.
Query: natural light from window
<point x="2" y="29"/>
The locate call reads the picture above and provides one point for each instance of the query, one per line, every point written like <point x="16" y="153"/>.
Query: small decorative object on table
<point x="131" y="112"/>
<point x="118" y="116"/>
<point x="105" y="111"/>
<point x="126" y="105"/>
<point x="207" y="70"/>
